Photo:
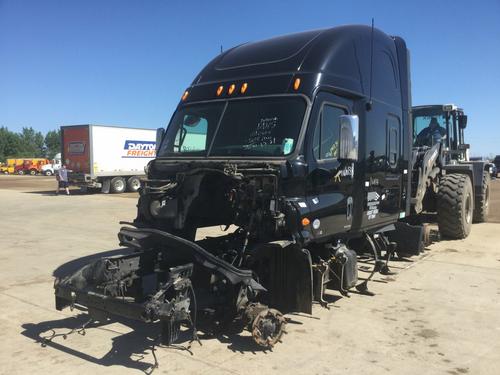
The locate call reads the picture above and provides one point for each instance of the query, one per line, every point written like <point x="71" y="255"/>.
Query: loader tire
<point x="482" y="203"/>
<point x="455" y="205"/>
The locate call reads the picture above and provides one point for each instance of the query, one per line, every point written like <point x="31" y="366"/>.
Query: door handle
<point x="349" y="208"/>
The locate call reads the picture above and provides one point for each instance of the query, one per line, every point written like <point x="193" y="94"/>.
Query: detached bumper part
<point x="158" y="283"/>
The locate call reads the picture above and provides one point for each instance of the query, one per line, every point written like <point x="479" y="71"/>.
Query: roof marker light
<point x="231" y="89"/>
<point x="296" y="84"/>
<point x="219" y="90"/>
<point x="244" y="88"/>
<point x="185" y="95"/>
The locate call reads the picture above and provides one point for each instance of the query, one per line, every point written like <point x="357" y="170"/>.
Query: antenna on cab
<point x="369" y="104"/>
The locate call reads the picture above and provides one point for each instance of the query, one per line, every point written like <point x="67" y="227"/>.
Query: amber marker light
<point x="231" y="89"/>
<point x="305" y="222"/>
<point x="219" y="90"/>
<point x="244" y="87"/>
<point x="185" y="95"/>
<point x="296" y="84"/>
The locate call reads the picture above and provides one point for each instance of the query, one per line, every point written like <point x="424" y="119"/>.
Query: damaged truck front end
<point x="172" y="278"/>
<point x="283" y="153"/>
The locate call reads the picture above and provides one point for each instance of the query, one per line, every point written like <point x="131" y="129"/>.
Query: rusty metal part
<point x="431" y="234"/>
<point x="427" y="234"/>
<point x="268" y="327"/>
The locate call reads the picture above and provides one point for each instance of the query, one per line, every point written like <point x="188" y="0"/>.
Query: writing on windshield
<point x="250" y="127"/>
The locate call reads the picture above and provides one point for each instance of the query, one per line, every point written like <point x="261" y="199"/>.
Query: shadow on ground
<point x="52" y="192"/>
<point x="132" y="350"/>
<point x="127" y="350"/>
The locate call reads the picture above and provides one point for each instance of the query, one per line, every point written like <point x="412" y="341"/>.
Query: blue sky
<point x="127" y="62"/>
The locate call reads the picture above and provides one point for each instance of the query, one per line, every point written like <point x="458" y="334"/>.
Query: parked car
<point x="496" y="161"/>
<point x="490" y="167"/>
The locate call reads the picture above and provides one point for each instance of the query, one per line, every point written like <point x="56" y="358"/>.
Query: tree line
<point x="29" y="143"/>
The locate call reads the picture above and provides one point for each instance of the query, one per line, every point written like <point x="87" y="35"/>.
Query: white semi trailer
<point x="108" y="158"/>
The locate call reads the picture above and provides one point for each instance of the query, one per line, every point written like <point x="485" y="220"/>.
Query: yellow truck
<point x="10" y="166"/>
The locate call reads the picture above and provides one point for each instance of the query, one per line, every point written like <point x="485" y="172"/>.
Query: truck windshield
<point x="249" y="127"/>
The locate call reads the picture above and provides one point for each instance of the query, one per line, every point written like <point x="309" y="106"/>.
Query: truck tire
<point x="33" y="172"/>
<point x="482" y="203"/>
<point x="118" y="185"/>
<point x="455" y="205"/>
<point x="47" y="173"/>
<point x="20" y="172"/>
<point x="133" y="183"/>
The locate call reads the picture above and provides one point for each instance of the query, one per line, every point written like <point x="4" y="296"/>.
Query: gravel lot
<point x="440" y="314"/>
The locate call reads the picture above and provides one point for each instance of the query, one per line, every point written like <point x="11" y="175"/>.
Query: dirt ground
<point x="440" y="314"/>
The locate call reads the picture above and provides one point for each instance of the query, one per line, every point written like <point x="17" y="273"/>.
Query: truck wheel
<point x="118" y="185"/>
<point x="20" y="172"/>
<point x="455" y="205"/>
<point x="47" y="173"/>
<point x="482" y="203"/>
<point x="33" y="172"/>
<point x="133" y="183"/>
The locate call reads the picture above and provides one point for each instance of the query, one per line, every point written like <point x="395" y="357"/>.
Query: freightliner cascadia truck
<point x="107" y="158"/>
<point x="303" y="143"/>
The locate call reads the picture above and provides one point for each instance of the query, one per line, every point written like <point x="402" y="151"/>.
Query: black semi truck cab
<point x="327" y="108"/>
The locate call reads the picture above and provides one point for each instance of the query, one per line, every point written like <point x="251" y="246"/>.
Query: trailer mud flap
<point x="106" y="186"/>
<point x="289" y="277"/>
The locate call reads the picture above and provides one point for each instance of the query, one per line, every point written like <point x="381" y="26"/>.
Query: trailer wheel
<point x="455" y="205"/>
<point x="482" y="203"/>
<point x="133" y="183"/>
<point x="118" y="185"/>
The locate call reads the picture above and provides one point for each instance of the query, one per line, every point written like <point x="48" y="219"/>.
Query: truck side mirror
<point x="462" y="121"/>
<point x="349" y="133"/>
<point x="159" y="136"/>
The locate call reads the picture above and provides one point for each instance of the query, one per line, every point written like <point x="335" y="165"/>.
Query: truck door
<point x="383" y="169"/>
<point x="330" y="179"/>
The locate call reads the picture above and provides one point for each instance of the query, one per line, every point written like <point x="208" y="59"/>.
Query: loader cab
<point x="443" y="124"/>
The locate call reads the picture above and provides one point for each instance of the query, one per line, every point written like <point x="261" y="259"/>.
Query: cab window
<point x="327" y="133"/>
<point x="192" y="137"/>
